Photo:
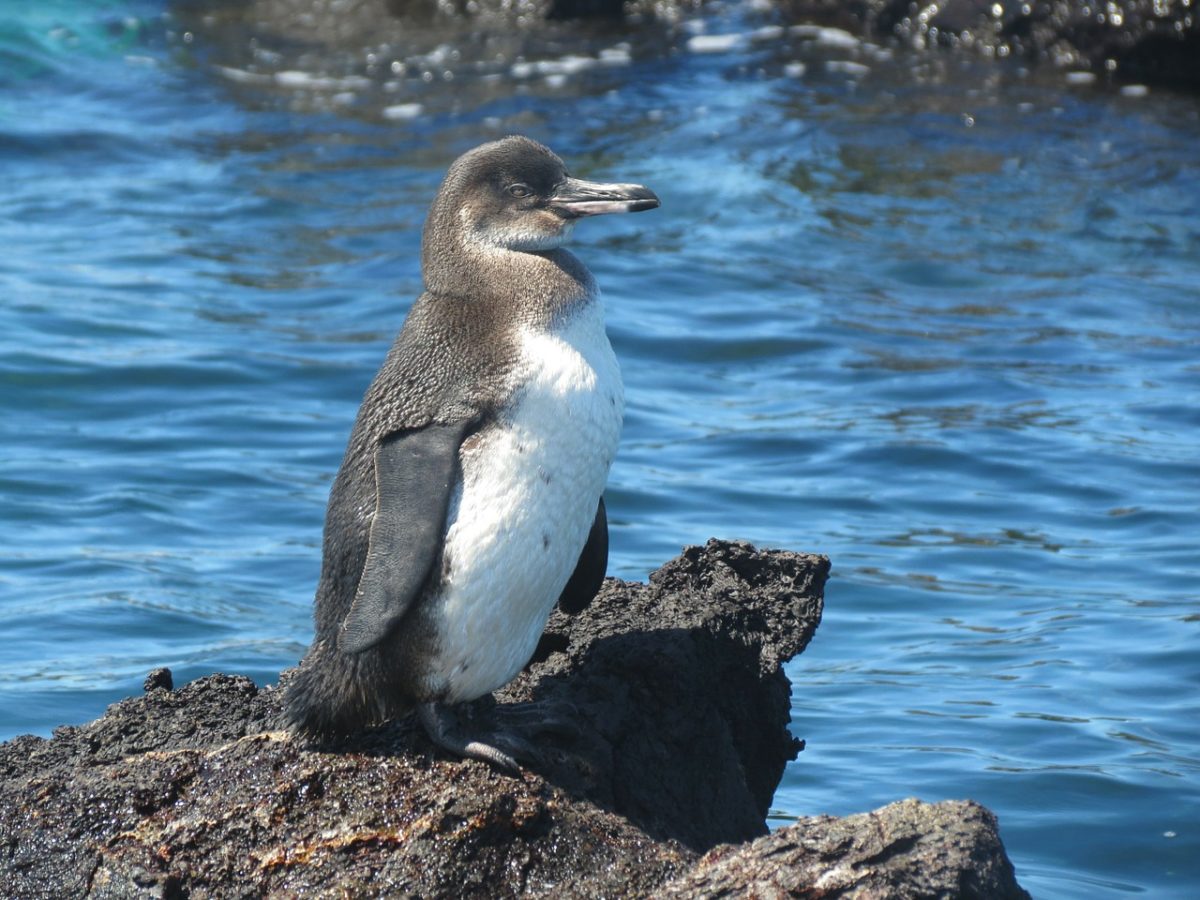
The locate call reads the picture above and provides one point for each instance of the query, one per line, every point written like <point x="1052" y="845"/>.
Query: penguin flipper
<point x="589" y="571"/>
<point x="414" y="477"/>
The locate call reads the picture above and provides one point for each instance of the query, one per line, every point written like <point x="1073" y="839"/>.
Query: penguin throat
<point x="515" y="237"/>
<point x="525" y="271"/>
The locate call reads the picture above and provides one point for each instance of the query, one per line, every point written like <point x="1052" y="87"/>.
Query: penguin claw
<point x="489" y="754"/>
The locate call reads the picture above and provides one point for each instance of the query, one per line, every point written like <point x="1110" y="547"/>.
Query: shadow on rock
<point x="678" y="734"/>
<point x="678" y="696"/>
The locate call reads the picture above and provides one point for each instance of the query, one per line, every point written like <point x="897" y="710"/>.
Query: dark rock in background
<point x="1148" y="42"/>
<point x="683" y="714"/>
<point x="1132" y="41"/>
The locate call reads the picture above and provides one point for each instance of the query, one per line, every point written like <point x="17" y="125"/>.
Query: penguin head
<point x="516" y="194"/>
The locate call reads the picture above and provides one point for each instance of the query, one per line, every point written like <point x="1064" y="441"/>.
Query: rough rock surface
<point x="1145" y="41"/>
<point x="683" y="712"/>
<point x="906" y="849"/>
<point x="1150" y="42"/>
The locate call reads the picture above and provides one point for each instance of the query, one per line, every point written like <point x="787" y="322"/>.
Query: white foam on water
<point x="293" y="78"/>
<point x="567" y="65"/>
<point x="402" y="111"/>
<point x="616" y="55"/>
<point x="767" y="33"/>
<point x="563" y="66"/>
<point x="847" y="67"/>
<point x="241" y="76"/>
<point x="715" y="43"/>
<point x="830" y="37"/>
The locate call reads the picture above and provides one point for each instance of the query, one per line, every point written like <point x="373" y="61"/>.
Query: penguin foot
<point x="439" y="723"/>
<point x="556" y="717"/>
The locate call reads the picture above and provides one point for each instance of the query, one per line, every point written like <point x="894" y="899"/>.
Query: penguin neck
<point x="536" y="287"/>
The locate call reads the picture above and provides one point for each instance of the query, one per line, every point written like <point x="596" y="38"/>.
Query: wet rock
<point x="682" y="716"/>
<point x="1154" y="42"/>
<point x="1142" y="41"/>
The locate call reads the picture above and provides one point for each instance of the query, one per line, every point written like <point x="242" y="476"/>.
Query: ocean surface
<point x="938" y="318"/>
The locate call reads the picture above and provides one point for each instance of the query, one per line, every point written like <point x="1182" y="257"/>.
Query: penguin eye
<point x="520" y="190"/>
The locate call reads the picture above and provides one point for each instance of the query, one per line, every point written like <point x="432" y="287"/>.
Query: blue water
<point x="938" y="319"/>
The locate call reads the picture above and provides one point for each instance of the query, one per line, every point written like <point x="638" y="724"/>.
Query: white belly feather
<point x="527" y="502"/>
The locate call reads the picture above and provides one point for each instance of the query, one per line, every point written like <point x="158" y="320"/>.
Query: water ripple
<point x="938" y="323"/>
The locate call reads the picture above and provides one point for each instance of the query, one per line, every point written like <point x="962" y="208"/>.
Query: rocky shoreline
<point x="1147" y="42"/>
<point x="663" y="790"/>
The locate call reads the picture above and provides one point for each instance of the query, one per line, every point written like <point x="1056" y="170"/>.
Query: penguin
<point x="469" y="499"/>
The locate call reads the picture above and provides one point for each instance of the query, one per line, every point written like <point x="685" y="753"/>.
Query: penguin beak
<point x="574" y="198"/>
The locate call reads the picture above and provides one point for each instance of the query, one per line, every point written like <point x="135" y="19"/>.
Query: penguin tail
<point x="325" y="697"/>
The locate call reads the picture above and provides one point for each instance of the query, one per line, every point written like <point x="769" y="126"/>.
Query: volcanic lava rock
<point x="1144" y="41"/>
<point x="906" y="849"/>
<point x="682" y="738"/>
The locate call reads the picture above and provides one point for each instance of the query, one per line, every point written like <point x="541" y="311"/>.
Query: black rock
<point x="159" y="680"/>
<point x="1143" y="41"/>
<point x="682" y="712"/>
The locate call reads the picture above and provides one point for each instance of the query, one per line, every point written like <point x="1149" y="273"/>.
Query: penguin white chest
<point x="528" y="496"/>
